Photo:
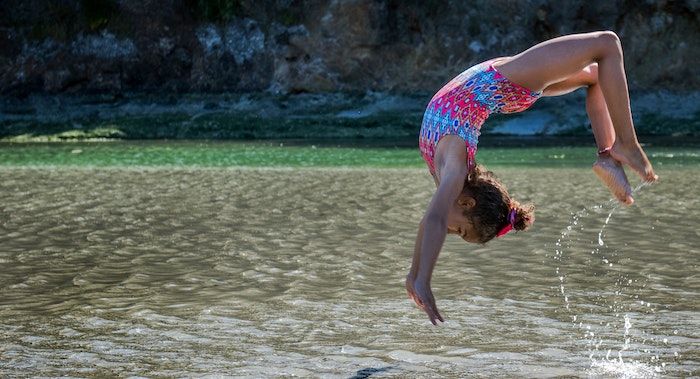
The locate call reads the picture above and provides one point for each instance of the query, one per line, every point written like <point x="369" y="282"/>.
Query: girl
<point x="470" y="201"/>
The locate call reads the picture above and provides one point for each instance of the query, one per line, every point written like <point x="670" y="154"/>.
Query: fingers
<point x="431" y="310"/>
<point x="424" y="300"/>
<point x="439" y="316"/>
<point x="415" y="299"/>
<point x="436" y="312"/>
<point x="433" y="314"/>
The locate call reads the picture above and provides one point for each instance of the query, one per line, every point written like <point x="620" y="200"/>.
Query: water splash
<point x="615" y="206"/>
<point x="559" y="253"/>
<point x="564" y="238"/>
<point x="574" y="221"/>
<point x="624" y="370"/>
<point x="617" y="366"/>
<point x="611" y="364"/>
<point x="600" y="234"/>
<point x="628" y="326"/>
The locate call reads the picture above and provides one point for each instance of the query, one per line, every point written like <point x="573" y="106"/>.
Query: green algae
<point x="281" y="154"/>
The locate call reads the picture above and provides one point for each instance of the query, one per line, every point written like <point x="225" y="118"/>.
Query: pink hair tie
<point x="510" y="225"/>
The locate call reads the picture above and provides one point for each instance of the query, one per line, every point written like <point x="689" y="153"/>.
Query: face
<point x="458" y="224"/>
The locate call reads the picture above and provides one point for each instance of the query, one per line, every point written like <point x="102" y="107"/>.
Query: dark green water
<point x="289" y="154"/>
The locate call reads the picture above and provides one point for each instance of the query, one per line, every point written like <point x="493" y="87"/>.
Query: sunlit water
<point x="280" y="272"/>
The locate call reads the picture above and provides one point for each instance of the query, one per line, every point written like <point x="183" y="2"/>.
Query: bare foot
<point x="634" y="157"/>
<point x="613" y="176"/>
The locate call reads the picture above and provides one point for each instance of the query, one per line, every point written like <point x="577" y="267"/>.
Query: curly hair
<point x="493" y="205"/>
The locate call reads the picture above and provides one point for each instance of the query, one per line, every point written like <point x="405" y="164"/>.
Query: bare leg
<point x="597" y="110"/>
<point x="560" y="58"/>
<point x="609" y="170"/>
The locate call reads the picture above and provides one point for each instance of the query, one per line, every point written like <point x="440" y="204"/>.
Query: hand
<point x="420" y="293"/>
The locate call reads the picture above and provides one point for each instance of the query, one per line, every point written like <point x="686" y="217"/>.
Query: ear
<point x="466" y="202"/>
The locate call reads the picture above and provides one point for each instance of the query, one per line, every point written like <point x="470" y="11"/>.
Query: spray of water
<point x="600" y="234"/>
<point x="559" y="253"/>
<point x="608" y="366"/>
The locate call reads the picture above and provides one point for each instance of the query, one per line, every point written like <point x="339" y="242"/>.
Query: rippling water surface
<point x="280" y="272"/>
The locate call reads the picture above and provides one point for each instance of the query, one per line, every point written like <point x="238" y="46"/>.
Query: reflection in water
<point x="265" y="272"/>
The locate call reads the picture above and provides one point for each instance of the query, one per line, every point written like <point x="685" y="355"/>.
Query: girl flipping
<point x="470" y="201"/>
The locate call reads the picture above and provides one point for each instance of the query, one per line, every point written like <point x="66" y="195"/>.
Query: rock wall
<point x="293" y="46"/>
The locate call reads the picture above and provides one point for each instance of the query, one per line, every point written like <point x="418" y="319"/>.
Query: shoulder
<point x="451" y="156"/>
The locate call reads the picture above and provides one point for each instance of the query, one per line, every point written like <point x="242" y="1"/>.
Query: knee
<point x="591" y="72"/>
<point x="609" y="36"/>
<point x="609" y="43"/>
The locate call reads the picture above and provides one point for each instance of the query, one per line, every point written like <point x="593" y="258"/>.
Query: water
<point x="258" y="272"/>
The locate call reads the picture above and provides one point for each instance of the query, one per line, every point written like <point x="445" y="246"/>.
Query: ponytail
<point x="524" y="216"/>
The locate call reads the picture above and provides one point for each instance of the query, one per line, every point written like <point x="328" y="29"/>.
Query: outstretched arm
<point x="433" y="227"/>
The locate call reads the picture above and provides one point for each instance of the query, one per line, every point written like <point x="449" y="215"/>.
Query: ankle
<point x="626" y="144"/>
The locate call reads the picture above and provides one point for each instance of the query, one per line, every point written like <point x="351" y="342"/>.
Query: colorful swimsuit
<point x="463" y="104"/>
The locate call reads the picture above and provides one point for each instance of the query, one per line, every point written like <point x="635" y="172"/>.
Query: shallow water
<point x="278" y="272"/>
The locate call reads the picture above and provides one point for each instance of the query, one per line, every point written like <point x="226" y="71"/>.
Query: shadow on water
<point x="367" y="372"/>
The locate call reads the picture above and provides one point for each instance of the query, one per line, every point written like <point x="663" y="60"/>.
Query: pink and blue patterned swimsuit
<point x="463" y="104"/>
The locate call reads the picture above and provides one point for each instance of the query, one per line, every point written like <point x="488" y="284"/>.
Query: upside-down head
<point x="488" y="209"/>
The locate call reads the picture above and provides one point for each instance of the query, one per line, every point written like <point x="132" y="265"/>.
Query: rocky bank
<point x="105" y="69"/>
<point x="292" y="46"/>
